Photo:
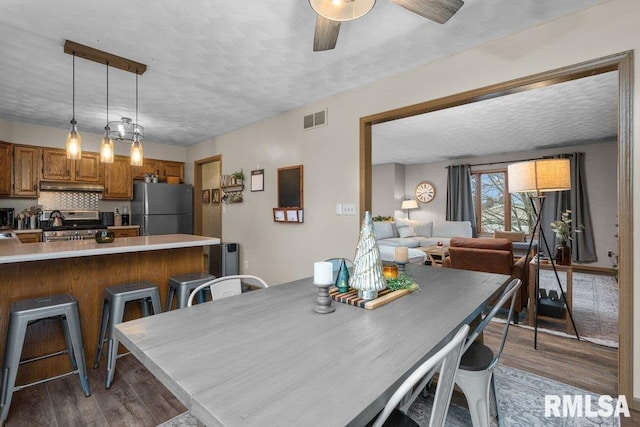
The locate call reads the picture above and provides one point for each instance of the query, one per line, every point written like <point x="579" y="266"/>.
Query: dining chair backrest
<point x="510" y="292"/>
<point x="338" y="261"/>
<point x="448" y="359"/>
<point x="226" y="286"/>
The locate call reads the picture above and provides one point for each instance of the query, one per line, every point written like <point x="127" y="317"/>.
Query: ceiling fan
<point x="332" y="12"/>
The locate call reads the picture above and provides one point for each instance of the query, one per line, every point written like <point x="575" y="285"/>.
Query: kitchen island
<point x="84" y="268"/>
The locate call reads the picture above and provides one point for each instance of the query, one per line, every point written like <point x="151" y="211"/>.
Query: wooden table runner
<point x="351" y="297"/>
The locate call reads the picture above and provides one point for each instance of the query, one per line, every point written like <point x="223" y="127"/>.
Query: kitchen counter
<point x="84" y="269"/>
<point x="11" y="252"/>
<point x="27" y="230"/>
<point x="122" y="227"/>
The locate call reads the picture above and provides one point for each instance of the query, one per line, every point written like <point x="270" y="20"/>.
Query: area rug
<point x="521" y="398"/>
<point x="595" y="308"/>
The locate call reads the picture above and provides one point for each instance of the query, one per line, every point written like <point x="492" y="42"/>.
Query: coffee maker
<point x="6" y="217"/>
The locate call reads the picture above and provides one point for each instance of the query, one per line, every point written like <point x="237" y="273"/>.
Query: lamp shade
<point x="409" y="204"/>
<point x="540" y="175"/>
<point x="342" y="10"/>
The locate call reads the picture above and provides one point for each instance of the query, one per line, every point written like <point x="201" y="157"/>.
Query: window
<point x="496" y="212"/>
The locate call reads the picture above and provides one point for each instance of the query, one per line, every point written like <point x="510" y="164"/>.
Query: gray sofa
<point x="415" y="234"/>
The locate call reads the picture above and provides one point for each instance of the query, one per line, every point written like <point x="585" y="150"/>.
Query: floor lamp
<point x="541" y="176"/>
<point x="408" y="205"/>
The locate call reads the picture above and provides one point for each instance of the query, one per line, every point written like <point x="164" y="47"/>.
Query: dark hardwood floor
<point x="138" y="399"/>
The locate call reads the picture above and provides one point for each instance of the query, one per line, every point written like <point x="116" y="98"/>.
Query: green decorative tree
<point x="367" y="275"/>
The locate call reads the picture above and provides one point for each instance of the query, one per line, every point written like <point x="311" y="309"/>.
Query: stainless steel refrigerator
<point x="160" y="208"/>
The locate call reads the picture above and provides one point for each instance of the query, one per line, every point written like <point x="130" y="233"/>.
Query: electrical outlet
<point x="338" y="209"/>
<point x="246" y="264"/>
<point x="348" y="209"/>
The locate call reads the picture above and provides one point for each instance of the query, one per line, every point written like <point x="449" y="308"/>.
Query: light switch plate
<point x="338" y="209"/>
<point x="348" y="209"/>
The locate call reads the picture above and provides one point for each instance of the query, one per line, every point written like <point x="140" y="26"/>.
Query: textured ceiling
<point x="217" y="65"/>
<point x="574" y="112"/>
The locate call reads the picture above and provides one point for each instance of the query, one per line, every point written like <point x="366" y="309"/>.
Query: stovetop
<point x="74" y="219"/>
<point x="88" y="225"/>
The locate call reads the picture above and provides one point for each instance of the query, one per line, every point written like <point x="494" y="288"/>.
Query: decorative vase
<point x="342" y="280"/>
<point x="367" y="275"/>
<point x="563" y="254"/>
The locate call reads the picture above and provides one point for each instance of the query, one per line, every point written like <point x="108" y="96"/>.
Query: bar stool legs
<point x="115" y="299"/>
<point x="22" y="314"/>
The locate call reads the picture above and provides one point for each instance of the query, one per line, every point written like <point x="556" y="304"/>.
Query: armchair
<point x="491" y="255"/>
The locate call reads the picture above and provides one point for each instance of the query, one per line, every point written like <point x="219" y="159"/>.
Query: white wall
<point x="282" y="252"/>
<point x="601" y="181"/>
<point x="387" y="182"/>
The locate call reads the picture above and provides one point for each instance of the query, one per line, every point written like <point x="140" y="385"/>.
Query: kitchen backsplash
<point x="68" y="200"/>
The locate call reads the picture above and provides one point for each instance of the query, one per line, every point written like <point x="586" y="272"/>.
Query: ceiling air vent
<point x="314" y="120"/>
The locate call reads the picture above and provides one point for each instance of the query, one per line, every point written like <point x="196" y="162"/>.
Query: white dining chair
<point x="226" y="286"/>
<point x="475" y="375"/>
<point x="446" y="361"/>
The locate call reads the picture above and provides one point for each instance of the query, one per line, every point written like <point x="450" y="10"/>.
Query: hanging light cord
<point x="73" y="90"/>
<point x="136" y="129"/>
<point x="107" y="93"/>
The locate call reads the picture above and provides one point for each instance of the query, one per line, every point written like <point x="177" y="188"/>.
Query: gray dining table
<point x="266" y="358"/>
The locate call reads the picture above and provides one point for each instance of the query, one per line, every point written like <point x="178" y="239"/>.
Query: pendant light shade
<point x="342" y="10"/>
<point x="74" y="140"/>
<point x="106" y="146"/>
<point x="137" y="158"/>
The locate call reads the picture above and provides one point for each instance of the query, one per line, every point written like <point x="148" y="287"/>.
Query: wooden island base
<point x="85" y="278"/>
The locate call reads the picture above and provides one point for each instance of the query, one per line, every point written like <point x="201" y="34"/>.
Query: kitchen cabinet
<point x="26" y="166"/>
<point x="56" y="166"/>
<point x="126" y="232"/>
<point x="34" y="237"/>
<point x="5" y="169"/>
<point x="161" y="168"/>
<point x="118" y="179"/>
<point x="168" y="168"/>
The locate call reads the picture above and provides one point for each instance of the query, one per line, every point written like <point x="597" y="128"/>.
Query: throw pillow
<point x="423" y="228"/>
<point x="383" y="229"/>
<point x="407" y="232"/>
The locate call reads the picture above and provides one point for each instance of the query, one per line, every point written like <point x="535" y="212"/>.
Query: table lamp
<point x="408" y="205"/>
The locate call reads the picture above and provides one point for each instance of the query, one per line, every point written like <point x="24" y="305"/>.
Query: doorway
<point x="207" y="209"/>
<point x="623" y="63"/>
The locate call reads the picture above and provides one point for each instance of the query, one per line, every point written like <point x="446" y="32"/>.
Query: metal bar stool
<point x="25" y="312"/>
<point x="182" y="286"/>
<point x="115" y="299"/>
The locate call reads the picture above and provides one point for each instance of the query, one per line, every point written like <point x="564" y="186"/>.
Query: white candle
<point x="322" y="273"/>
<point x="401" y="254"/>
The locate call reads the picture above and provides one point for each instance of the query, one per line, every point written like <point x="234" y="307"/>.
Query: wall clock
<point x="425" y="192"/>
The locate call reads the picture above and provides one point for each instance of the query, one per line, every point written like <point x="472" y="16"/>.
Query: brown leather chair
<point x="492" y="255"/>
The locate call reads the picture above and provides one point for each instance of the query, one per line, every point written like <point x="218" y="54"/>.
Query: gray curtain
<point x="459" y="198"/>
<point x="577" y="201"/>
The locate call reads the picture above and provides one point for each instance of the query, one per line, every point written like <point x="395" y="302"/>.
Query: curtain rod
<point x="499" y="163"/>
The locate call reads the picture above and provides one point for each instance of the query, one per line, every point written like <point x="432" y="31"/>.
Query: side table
<point x="568" y="291"/>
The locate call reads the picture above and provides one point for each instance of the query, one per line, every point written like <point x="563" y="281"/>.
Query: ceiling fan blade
<point x="436" y="10"/>
<point x="326" y="34"/>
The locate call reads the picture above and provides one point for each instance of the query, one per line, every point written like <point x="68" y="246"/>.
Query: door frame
<point x="621" y="62"/>
<point x="197" y="190"/>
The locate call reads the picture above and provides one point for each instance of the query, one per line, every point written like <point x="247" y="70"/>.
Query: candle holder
<point x="401" y="265"/>
<point x="324" y="300"/>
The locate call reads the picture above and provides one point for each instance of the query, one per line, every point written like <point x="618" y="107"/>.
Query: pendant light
<point x="106" y="146"/>
<point x="74" y="140"/>
<point x="136" y="157"/>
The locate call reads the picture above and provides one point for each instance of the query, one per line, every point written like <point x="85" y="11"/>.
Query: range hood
<point x="71" y="186"/>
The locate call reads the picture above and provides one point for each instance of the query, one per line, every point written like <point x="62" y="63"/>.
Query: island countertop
<point x="11" y="252"/>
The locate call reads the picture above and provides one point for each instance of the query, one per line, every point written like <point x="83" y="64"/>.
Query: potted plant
<point x="238" y="177"/>
<point x="563" y="230"/>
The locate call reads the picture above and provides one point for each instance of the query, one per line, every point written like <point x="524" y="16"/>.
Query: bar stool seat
<point x="182" y="285"/>
<point x="22" y="314"/>
<point x="113" y="304"/>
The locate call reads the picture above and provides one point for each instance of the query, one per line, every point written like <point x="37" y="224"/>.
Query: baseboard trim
<point x="592" y="269"/>
<point x="635" y="404"/>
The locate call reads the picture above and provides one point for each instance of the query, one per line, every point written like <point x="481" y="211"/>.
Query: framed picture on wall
<point x="215" y="195"/>
<point x="206" y="197"/>
<point x="257" y="180"/>
<point x="278" y="215"/>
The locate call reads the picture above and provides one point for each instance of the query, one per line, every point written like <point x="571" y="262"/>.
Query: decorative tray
<point x="351" y="297"/>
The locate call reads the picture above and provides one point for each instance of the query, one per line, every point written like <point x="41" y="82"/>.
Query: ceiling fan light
<point x="342" y="10"/>
<point x="74" y="142"/>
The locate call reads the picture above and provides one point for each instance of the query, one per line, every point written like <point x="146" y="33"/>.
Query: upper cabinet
<point x="26" y="165"/>
<point x="56" y="166"/>
<point x="161" y="168"/>
<point x="5" y="169"/>
<point x="118" y="179"/>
